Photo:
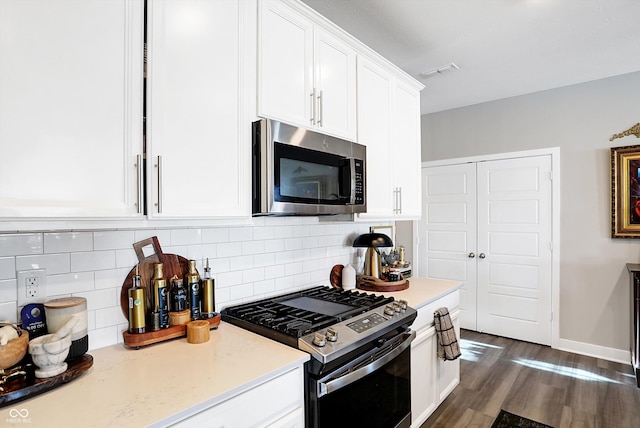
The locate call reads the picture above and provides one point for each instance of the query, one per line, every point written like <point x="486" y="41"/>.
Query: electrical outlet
<point x="31" y="286"/>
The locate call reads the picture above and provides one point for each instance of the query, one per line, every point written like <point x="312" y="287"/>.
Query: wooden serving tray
<point x="28" y="386"/>
<point x="370" y="283"/>
<point x="142" y="339"/>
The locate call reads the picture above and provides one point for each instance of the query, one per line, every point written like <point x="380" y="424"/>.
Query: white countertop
<point x="423" y="291"/>
<point x="134" y="388"/>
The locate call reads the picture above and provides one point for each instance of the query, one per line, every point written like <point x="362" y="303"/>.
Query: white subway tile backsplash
<point x="163" y="235"/>
<point x="186" y="237"/>
<point x="240" y="234"/>
<point x="7" y="267"/>
<point x="9" y="311"/>
<point x="126" y="258"/>
<point x="66" y="242"/>
<point x="265" y="259"/>
<point x="101" y="299"/>
<point x="110" y="278"/>
<point x="241" y="263"/>
<point x="53" y="263"/>
<point x="273" y="245"/>
<point x="273" y="255"/>
<point x="8" y="290"/>
<point x="21" y="244"/>
<point x="113" y="240"/>
<point x="274" y="271"/>
<point x="252" y="275"/>
<point x="93" y="260"/>
<point x="263" y="232"/>
<point x="215" y="235"/>
<point x="202" y="251"/>
<point x="229" y="249"/>
<point x="109" y="316"/>
<point x="61" y="285"/>
<point x="284" y="283"/>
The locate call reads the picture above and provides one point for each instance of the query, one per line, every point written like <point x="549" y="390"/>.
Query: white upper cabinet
<point x="70" y="109"/>
<point x="375" y="90"/>
<point x="406" y="152"/>
<point x="306" y="74"/>
<point x="198" y="128"/>
<point x="389" y="125"/>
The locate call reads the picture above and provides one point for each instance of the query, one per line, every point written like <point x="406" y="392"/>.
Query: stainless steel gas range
<point x="359" y="370"/>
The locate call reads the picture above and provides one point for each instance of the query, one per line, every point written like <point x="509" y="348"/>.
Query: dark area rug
<point x="509" y="420"/>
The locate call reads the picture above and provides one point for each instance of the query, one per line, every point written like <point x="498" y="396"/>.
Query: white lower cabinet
<point x="276" y="403"/>
<point x="432" y="379"/>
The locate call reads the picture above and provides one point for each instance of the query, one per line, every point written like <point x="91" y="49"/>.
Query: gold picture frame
<point x="625" y="192"/>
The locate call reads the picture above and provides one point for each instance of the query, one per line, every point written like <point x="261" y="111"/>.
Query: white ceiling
<point x="503" y="47"/>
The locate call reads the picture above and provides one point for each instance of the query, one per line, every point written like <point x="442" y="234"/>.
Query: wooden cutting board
<point x="173" y="265"/>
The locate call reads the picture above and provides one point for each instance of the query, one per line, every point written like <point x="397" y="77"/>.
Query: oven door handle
<point x="330" y="386"/>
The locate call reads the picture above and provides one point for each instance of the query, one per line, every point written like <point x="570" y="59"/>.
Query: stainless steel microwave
<point x="297" y="171"/>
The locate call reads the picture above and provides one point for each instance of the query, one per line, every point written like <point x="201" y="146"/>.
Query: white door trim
<point x="555" y="221"/>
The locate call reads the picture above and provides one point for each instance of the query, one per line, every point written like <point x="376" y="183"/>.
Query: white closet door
<point x="514" y="248"/>
<point x="448" y="237"/>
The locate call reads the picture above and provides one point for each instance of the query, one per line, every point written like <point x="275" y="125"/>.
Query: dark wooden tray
<point x="369" y="283"/>
<point x="24" y="387"/>
<point x="143" y="339"/>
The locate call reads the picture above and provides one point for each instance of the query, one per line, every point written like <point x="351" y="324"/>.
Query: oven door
<point x="373" y="390"/>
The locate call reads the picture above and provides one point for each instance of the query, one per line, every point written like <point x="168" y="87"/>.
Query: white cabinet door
<point x="448" y="232"/>
<point x="375" y="86"/>
<point x="306" y="75"/>
<point x="406" y="153"/>
<point x="198" y="132"/>
<point x="449" y="371"/>
<point x="71" y="108"/>
<point x="424" y="387"/>
<point x="285" y="64"/>
<point x="335" y="85"/>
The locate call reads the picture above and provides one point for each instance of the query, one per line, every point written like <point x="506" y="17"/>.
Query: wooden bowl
<point x="13" y="352"/>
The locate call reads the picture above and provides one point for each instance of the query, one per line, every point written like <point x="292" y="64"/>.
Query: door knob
<point x="482" y="255"/>
<point x="471" y="255"/>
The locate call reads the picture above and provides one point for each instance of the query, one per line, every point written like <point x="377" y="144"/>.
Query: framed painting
<point x="625" y="192"/>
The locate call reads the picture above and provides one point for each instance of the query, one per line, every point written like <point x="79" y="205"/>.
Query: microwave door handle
<point x="352" y="171"/>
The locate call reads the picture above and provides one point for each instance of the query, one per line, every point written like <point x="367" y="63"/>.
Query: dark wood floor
<point x="553" y="387"/>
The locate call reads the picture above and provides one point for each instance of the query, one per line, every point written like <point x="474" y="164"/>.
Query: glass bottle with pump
<point x="208" y="298"/>
<point x="160" y="298"/>
<point x="192" y="280"/>
<point x="137" y="306"/>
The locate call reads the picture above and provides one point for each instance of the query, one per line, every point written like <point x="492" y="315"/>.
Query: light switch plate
<point x="32" y="286"/>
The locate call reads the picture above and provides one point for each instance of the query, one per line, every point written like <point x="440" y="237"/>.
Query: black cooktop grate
<point x="295" y="314"/>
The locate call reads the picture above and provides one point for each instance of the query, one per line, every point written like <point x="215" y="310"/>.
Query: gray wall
<point x="580" y="119"/>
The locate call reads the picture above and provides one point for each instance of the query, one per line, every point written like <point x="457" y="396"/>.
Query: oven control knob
<point x="332" y="335"/>
<point x="403" y="304"/>
<point x="318" y="340"/>
<point x="397" y="307"/>
<point x="388" y="310"/>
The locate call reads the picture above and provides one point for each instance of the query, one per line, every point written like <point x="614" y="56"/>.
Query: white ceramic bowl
<point x="48" y="353"/>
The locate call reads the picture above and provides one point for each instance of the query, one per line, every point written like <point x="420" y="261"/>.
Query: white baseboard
<point x="596" y="351"/>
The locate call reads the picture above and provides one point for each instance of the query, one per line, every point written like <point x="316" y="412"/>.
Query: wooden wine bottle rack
<point x="172" y="265"/>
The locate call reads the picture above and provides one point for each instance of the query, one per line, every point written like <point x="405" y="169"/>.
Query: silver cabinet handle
<point x="472" y="255"/>
<point x="399" y="200"/>
<point x="139" y="171"/>
<point x="482" y="255"/>
<point x="320" y="106"/>
<point x="159" y="171"/>
<point x="313" y="106"/>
